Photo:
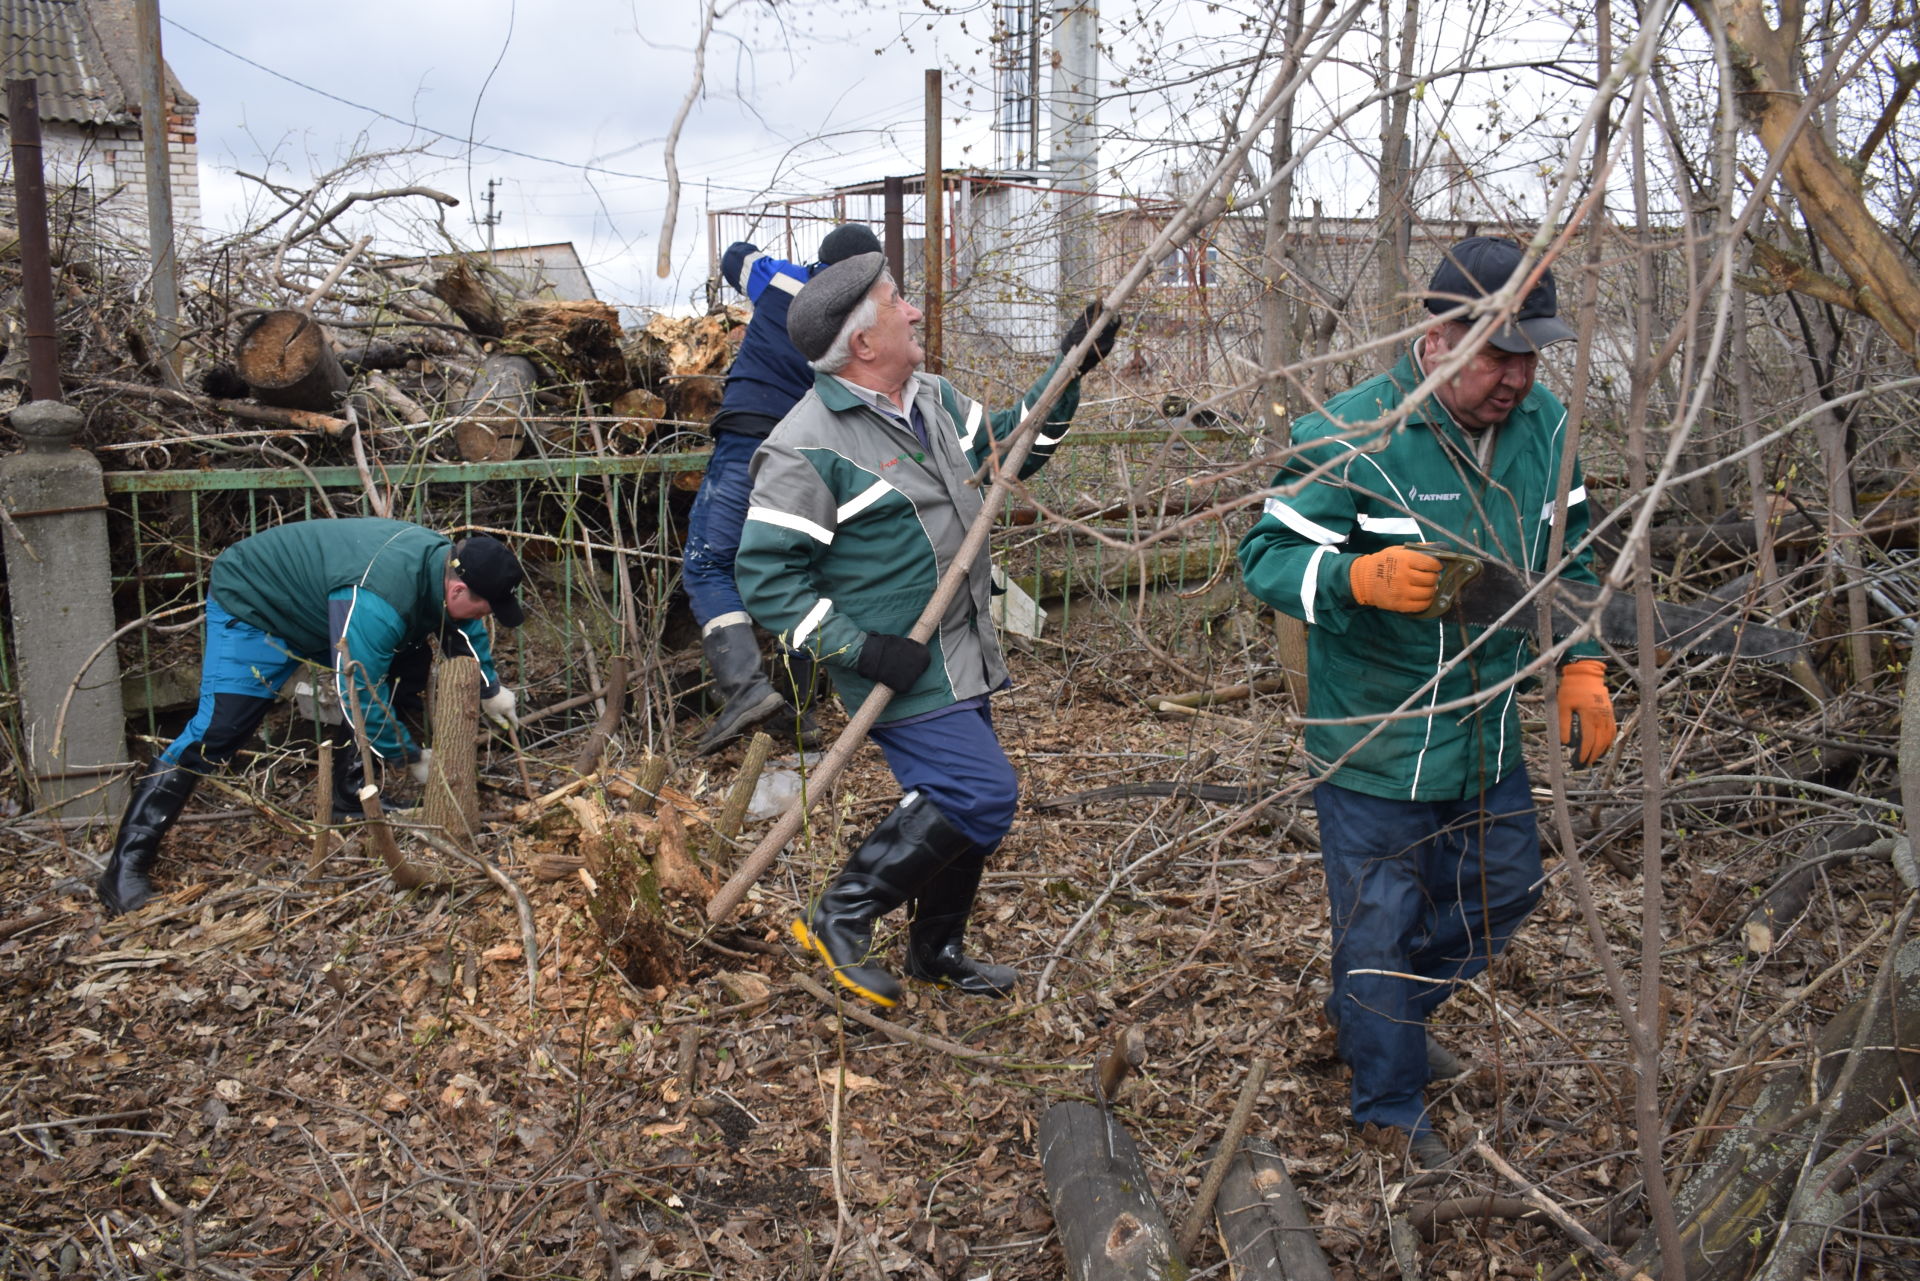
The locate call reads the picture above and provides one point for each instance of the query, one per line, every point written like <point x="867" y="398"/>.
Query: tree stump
<point x="625" y="898"/>
<point x="491" y="427"/>
<point x="1111" y="1229"/>
<point x="286" y="360"/>
<point x="452" y="801"/>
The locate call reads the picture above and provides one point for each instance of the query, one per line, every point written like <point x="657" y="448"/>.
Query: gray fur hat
<point x="823" y="305"/>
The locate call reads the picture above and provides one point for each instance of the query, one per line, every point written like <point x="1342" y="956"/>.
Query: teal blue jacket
<point x="1339" y="499"/>
<point x="379" y="585"/>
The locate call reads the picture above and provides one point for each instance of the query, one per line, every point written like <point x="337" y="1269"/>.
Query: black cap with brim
<point x="824" y="303"/>
<point x="1480" y="265"/>
<point x="492" y="573"/>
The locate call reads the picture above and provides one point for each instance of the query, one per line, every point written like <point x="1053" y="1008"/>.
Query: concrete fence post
<point x="61" y="586"/>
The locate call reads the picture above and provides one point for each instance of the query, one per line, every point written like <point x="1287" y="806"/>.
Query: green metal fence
<point x="579" y="522"/>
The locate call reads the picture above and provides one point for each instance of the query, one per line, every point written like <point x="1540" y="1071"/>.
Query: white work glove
<point x="422" y="767"/>
<point x="501" y="708"/>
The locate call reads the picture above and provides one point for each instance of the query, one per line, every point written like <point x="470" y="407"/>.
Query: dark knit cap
<point x="1481" y="265"/>
<point x="825" y="302"/>
<point x="492" y="573"/>
<point x="845" y="241"/>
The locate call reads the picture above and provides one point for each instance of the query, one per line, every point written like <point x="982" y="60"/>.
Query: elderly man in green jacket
<point x="1427" y="829"/>
<point x="349" y="595"/>
<point x="860" y="503"/>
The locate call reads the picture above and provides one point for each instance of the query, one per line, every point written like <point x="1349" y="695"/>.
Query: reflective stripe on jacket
<point x="852" y="523"/>
<point x="1343" y="498"/>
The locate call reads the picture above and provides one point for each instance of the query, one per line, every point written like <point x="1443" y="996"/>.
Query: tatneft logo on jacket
<point x="484" y="564"/>
<point x="1433" y="498"/>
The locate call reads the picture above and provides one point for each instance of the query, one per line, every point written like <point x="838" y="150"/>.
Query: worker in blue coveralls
<point x="357" y="596"/>
<point x="1427" y="830"/>
<point x="767" y="379"/>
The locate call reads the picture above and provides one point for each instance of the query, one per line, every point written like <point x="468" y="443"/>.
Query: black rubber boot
<point x="158" y="798"/>
<point x="940" y="911"/>
<point x="349" y="774"/>
<point x="746" y="697"/>
<point x="909" y="847"/>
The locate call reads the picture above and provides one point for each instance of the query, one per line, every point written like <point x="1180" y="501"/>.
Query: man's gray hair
<point x="864" y="316"/>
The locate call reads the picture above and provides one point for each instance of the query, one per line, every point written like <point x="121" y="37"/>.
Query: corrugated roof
<point x="52" y="42"/>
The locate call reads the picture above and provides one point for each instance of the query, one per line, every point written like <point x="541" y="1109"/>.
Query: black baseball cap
<point x="492" y="573"/>
<point x="846" y="240"/>
<point x="1481" y="265"/>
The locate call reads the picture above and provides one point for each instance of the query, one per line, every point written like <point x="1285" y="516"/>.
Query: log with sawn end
<point x="286" y="360"/>
<point x="1264" y="1229"/>
<point x="1111" y="1229"/>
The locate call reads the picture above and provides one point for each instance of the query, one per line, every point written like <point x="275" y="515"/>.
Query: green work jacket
<point x="852" y="523"/>
<point x="1337" y="499"/>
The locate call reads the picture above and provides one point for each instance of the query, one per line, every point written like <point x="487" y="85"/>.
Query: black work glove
<point x="1102" y="346"/>
<point x="893" y="661"/>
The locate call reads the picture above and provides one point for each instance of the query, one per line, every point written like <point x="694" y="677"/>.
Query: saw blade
<point x="1489" y="597"/>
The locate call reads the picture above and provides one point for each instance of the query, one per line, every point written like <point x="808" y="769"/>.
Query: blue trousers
<point x="241" y="671"/>
<point x="957" y="762"/>
<point x="1423" y="895"/>
<point x="713" y="528"/>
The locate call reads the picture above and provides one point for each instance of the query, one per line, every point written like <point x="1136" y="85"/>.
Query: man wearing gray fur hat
<point x="860" y="503"/>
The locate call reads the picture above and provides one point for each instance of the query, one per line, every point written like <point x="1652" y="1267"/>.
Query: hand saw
<point x="1485" y="594"/>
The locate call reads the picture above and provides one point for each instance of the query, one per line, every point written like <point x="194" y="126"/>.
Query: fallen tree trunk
<point x="491" y="427"/>
<point x="1865" y="1069"/>
<point x="479" y="309"/>
<point x="1111" y="1229"/>
<point x="286" y="360"/>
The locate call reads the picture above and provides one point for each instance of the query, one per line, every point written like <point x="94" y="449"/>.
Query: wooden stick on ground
<point x="1196" y="1221"/>
<point x="1593" y="1245"/>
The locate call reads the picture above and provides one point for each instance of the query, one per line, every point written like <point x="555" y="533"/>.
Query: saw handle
<point x="1457" y="569"/>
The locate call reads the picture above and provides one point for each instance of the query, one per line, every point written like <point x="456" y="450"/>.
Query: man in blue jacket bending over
<point x="767" y="379"/>
<point x="350" y="595"/>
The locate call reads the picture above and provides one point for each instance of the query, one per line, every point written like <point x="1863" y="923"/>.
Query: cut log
<point x="451" y="804"/>
<point x="479" y="308"/>
<point x="686" y="361"/>
<point x="491" y="427"/>
<point x="286" y="360"/>
<point x="579" y="342"/>
<point x="636" y="413"/>
<point x="1264" y="1229"/>
<point x="1111" y="1229"/>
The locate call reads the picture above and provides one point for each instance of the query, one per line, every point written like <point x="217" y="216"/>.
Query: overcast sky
<point x="568" y="104"/>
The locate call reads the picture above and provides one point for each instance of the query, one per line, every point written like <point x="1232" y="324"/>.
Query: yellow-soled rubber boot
<point x="909" y="847"/>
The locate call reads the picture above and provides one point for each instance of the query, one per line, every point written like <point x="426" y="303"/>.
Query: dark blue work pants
<point x="957" y="762"/>
<point x="713" y="528"/>
<point x="1422" y="895"/>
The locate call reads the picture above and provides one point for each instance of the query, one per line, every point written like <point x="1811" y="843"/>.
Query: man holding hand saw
<point x="1427" y="828"/>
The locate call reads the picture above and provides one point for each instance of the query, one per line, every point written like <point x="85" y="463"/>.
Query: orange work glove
<point x="1586" y="710"/>
<point x="1399" y="579"/>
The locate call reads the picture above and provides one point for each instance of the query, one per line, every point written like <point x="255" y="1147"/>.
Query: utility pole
<point x="491" y="218"/>
<point x="936" y="230"/>
<point x="153" y="141"/>
<point x="1076" y="148"/>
